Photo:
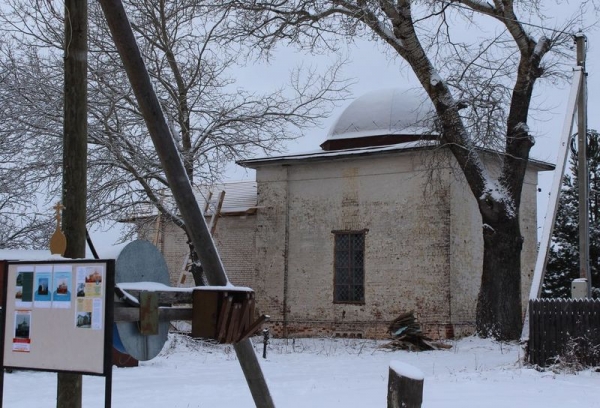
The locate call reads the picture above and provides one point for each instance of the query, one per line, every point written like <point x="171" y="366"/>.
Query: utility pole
<point x="179" y="182"/>
<point x="576" y="105"/>
<point x="74" y="194"/>
<point x="582" y="168"/>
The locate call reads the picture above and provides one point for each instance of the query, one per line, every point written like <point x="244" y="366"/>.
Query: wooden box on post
<point x="225" y="315"/>
<point x="205" y="313"/>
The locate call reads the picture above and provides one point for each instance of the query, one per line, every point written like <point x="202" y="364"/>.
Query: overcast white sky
<point x="372" y="69"/>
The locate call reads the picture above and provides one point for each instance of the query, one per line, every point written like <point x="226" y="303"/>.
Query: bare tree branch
<point x="191" y="62"/>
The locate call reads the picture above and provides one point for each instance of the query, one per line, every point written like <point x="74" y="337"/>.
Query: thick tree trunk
<point x="499" y="303"/>
<point x="196" y="267"/>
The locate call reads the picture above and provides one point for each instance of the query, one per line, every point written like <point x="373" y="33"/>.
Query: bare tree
<point x="22" y="187"/>
<point x="192" y="64"/>
<point x="478" y="62"/>
<point x="19" y="229"/>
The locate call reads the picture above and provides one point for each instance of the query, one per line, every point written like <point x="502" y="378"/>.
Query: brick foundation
<point x="367" y="330"/>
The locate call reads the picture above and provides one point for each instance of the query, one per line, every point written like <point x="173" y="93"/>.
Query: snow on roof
<point x="160" y="287"/>
<point x="28" y="255"/>
<point x="384" y="112"/>
<point x="324" y="154"/>
<point x="240" y="197"/>
<point x="320" y="154"/>
<point x="109" y="252"/>
<point x="387" y="111"/>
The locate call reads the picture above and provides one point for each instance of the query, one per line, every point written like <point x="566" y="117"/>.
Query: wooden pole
<point x="74" y="186"/>
<point x="405" y="386"/>
<point x="179" y="182"/>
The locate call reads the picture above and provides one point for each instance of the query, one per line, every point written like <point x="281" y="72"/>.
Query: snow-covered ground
<point x="306" y="373"/>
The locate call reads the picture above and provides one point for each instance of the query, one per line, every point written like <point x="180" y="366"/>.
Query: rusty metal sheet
<point x="148" y="313"/>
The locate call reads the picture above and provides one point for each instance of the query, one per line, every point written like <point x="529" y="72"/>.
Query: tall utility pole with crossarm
<point x="576" y="105"/>
<point x="582" y="169"/>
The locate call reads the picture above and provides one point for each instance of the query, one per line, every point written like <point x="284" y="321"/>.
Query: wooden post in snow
<point x="74" y="194"/>
<point x="179" y="182"/>
<point x="405" y="386"/>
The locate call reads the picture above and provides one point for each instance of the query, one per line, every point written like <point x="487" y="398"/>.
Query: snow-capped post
<point x="179" y="182"/>
<point x="405" y="386"/>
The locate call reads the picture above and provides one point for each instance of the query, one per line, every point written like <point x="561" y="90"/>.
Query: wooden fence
<point x="566" y="329"/>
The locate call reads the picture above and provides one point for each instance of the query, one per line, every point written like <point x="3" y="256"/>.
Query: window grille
<point x="349" y="277"/>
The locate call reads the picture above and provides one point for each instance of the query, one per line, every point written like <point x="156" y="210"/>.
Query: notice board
<point x="58" y="315"/>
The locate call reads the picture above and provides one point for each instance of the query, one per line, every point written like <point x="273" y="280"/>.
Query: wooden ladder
<point x="186" y="268"/>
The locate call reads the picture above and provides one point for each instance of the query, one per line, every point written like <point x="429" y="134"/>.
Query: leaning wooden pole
<point x="74" y="194"/>
<point x="179" y="182"/>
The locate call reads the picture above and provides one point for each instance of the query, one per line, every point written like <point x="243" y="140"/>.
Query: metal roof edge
<point x="321" y="155"/>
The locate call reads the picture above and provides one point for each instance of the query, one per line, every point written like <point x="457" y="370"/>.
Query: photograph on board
<point x="42" y="296"/>
<point x="61" y="296"/>
<point x="21" y="338"/>
<point x="24" y="287"/>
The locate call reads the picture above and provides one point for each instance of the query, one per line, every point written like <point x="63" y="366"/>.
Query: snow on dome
<point x="385" y="112"/>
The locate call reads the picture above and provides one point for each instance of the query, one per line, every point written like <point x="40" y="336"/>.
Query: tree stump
<point x="405" y="386"/>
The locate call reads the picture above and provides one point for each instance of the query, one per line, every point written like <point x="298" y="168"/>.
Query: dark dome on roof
<point x="382" y="117"/>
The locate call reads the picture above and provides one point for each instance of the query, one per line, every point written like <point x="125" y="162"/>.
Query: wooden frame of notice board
<point x="58" y="316"/>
